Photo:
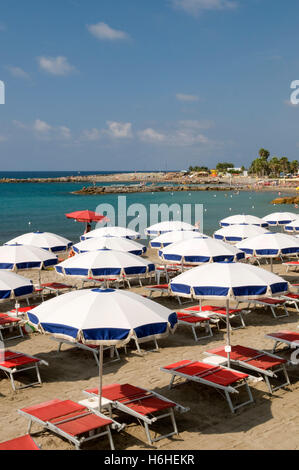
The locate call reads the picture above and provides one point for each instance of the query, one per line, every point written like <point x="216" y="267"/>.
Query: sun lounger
<point x="166" y="270"/>
<point x="56" y="288"/>
<point x="291" y="299"/>
<point x="144" y="405"/>
<point x="221" y="378"/>
<point x="162" y="289"/>
<point x="290" y="338"/>
<point x="21" y="311"/>
<point x="8" y="323"/>
<point x="273" y="304"/>
<point x="264" y="364"/>
<point x="94" y="349"/>
<point x="194" y="321"/>
<point x="13" y="362"/>
<point x="290" y="264"/>
<point x="70" y="420"/>
<point x="214" y="311"/>
<point x="20" y="443"/>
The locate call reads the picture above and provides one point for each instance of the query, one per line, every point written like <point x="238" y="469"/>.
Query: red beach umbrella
<point x="86" y="216"/>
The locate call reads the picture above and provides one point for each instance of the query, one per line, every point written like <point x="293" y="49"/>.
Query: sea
<point x="28" y="207"/>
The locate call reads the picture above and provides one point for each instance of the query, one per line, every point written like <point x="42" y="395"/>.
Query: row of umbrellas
<point x="85" y="315"/>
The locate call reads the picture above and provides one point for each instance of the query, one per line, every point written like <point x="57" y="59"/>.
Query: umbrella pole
<point x="228" y="347"/>
<point x="100" y="376"/>
<point x="271" y="262"/>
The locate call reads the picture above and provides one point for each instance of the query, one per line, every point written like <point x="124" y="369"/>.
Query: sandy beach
<point x="271" y="422"/>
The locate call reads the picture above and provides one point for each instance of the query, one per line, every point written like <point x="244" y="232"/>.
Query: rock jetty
<point x="94" y="190"/>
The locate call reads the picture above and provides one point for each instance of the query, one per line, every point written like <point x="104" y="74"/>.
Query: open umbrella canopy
<point x="292" y="226"/>
<point x="237" y="281"/>
<point x="86" y="216"/>
<point x="162" y="241"/>
<point x="236" y="233"/>
<point x="270" y="245"/>
<point x="169" y="226"/>
<point x="201" y="250"/>
<point x="110" y="243"/>
<point x="14" y="257"/>
<point x="13" y="286"/>
<point x="242" y="219"/>
<point x="103" y="317"/>
<point x="105" y="263"/>
<point x="120" y="232"/>
<point x="46" y="240"/>
<point x="280" y="218"/>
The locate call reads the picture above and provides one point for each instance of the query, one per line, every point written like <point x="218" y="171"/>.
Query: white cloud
<point x="65" y="132"/>
<point x="150" y="135"/>
<point x="17" y="72"/>
<point x="186" y="98"/>
<point x="55" y="65"/>
<point x="91" y="135"/>
<point x="19" y="124"/>
<point x="119" y="130"/>
<point x="194" y="7"/>
<point x="41" y="126"/>
<point x="104" y="31"/>
<point x="185" y="133"/>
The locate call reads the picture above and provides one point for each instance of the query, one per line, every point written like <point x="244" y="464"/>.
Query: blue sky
<point x="141" y="85"/>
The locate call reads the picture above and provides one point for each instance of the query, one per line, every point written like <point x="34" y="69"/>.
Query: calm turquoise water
<point x="31" y="206"/>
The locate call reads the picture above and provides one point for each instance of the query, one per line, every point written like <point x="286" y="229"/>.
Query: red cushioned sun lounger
<point x="220" y="313"/>
<point x="288" y="264"/>
<point x="145" y="405"/>
<point x="219" y="377"/>
<point x="273" y="304"/>
<point x="70" y="420"/>
<point x="8" y="323"/>
<point x="13" y="362"/>
<point x="265" y="364"/>
<point x="55" y="287"/>
<point x="291" y="299"/>
<point x="194" y="321"/>
<point x="290" y="338"/>
<point x="20" y="443"/>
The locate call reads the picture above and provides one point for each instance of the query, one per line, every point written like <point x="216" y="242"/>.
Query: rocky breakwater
<point x="286" y="200"/>
<point x="95" y="190"/>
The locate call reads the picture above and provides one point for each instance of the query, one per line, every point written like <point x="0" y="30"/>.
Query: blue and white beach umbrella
<point x="110" y="243"/>
<point x="169" y="226"/>
<point x="46" y="240"/>
<point x="201" y="250"/>
<point x="242" y="219"/>
<point x="15" y="257"/>
<point x="292" y="226"/>
<point x="228" y="281"/>
<point x="105" y="264"/>
<point x="235" y="281"/>
<point x="237" y="233"/>
<point x="270" y="245"/>
<point x="105" y="317"/>
<point x="280" y="218"/>
<point x="121" y="232"/>
<point x="162" y="241"/>
<point x="13" y="286"/>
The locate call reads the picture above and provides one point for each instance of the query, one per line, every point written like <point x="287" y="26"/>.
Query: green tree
<point x="222" y="167"/>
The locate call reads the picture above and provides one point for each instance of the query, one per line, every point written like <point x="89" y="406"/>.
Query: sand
<point x="271" y="422"/>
